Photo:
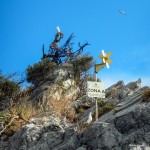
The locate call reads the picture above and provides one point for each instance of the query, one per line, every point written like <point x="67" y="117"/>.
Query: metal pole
<point x="96" y="108"/>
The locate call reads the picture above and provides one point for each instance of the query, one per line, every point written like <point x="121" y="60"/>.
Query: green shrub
<point x="101" y="103"/>
<point x="104" y="107"/>
<point x="146" y="95"/>
<point x="39" y="71"/>
<point x="7" y="87"/>
<point x="80" y="110"/>
<point x="110" y="92"/>
<point x="82" y="65"/>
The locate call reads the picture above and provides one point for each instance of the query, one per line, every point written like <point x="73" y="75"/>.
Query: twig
<point x="14" y="117"/>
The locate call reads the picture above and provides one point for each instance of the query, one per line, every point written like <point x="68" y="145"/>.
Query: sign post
<point x="96" y="89"/>
<point x="96" y="107"/>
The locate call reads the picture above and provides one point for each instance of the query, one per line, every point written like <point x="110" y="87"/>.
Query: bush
<point x="39" y="71"/>
<point x="13" y="119"/>
<point x="8" y="87"/>
<point x="104" y="107"/>
<point x="79" y="110"/>
<point x="81" y="65"/>
<point x="146" y="95"/>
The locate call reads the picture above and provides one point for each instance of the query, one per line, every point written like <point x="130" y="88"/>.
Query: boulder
<point x="101" y="136"/>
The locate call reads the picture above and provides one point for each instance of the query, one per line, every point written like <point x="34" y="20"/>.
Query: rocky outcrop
<point x="121" y="91"/>
<point x="43" y="133"/>
<point x="125" y="127"/>
<point x="101" y="136"/>
<point x="56" y="94"/>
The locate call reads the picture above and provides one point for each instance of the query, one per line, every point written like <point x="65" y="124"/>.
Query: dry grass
<point x="17" y="114"/>
<point x="15" y="118"/>
<point x="63" y="108"/>
<point x="55" y="101"/>
<point x="24" y="109"/>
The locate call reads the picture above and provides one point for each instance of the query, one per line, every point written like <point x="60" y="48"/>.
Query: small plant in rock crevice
<point x="104" y="107"/>
<point x="146" y="95"/>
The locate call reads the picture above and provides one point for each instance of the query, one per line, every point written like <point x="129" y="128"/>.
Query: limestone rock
<point x="83" y="102"/>
<point x="43" y="133"/>
<point x="125" y="127"/>
<point x="120" y="91"/>
<point x="56" y="94"/>
<point x="102" y="136"/>
<point x="134" y="85"/>
<point x="81" y="148"/>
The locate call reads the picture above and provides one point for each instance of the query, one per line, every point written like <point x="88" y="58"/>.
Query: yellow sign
<point x="105" y="61"/>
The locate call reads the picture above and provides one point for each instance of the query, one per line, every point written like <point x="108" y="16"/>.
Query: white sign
<point x="95" y="89"/>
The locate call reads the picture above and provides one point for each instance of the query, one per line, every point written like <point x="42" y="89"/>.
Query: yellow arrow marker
<point x="105" y="61"/>
<point x="106" y="57"/>
<point x="98" y="67"/>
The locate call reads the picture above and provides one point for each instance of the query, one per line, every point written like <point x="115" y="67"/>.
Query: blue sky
<point x="27" y="24"/>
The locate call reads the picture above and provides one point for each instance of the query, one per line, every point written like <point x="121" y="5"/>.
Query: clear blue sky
<point x="27" y="24"/>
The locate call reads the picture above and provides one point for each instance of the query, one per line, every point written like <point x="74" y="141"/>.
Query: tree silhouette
<point x="65" y="53"/>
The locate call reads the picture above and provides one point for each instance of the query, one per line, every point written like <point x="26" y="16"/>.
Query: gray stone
<point x="125" y="127"/>
<point x="81" y="148"/>
<point x="134" y="85"/>
<point x="98" y="135"/>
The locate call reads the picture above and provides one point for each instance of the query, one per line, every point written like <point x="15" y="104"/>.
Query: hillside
<point x="59" y="108"/>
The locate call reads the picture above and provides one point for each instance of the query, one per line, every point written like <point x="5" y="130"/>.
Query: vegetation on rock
<point x="146" y="95"/>
<point x="21" y="109"/>
<point x="104" y="107"/>
<point x="81" y="66"/>
<point x="8" y="87"/>
<point x="39" y="71"/>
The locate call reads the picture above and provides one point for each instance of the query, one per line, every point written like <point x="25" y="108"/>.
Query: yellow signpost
<point x="105" y="62"/>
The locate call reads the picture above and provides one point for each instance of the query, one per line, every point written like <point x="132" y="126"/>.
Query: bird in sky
<point x="122" y="12"/>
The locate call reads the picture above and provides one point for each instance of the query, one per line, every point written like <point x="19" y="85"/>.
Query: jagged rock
<point x="118" y="85"/>
<point x="81" y="148"/>
<point x="125" y="127"/>
<point x="134" y="85"/>
<point x="43" y="133"/>
<point x="120" y="91"/>
<point x="83" y="102"/>
<point x="124" y="92"/>
<point x="3" y="145"/>
<point x="33" y="137"/>
<point x="138" y="147"/>
<point x="102" y="136"/>
<point x="55" y="96"/>
<point x="53" y="119"/>
<point x="60" y="75"/>
<point x="68" y="84"/>
<point x="71" y="141"/>
<point x="38" y="132"/>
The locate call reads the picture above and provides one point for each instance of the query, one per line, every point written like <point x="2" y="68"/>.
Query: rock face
<point x="125" y="127"/>
<point x="55" y="94"/>
<point x="47" y="133"/>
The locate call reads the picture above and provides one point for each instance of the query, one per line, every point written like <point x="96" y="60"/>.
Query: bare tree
<point x="64" y="53"/>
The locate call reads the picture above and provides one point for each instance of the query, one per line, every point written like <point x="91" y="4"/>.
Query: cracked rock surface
<point x="125" y="127"/>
